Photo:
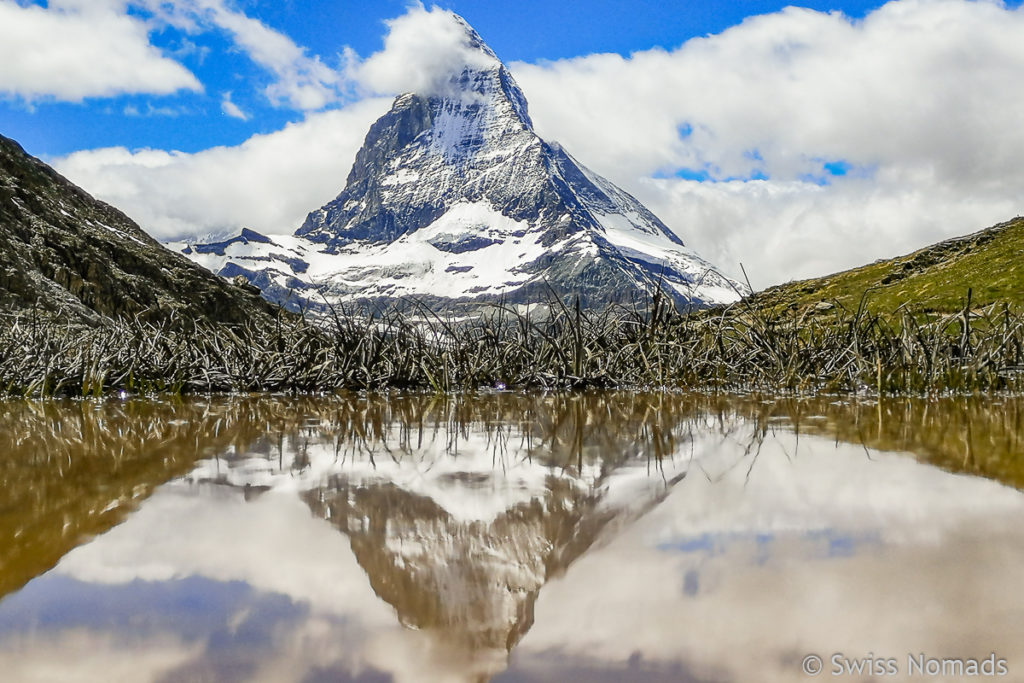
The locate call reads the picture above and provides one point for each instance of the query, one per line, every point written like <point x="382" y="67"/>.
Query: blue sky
<point x="188" y="121"/>
<point x="798" y="140"/>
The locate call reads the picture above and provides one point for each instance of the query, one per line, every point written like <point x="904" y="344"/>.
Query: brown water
<point x="596" y="537"/>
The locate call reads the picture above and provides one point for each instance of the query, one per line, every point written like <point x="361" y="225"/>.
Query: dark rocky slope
<point x="67" y="255"/>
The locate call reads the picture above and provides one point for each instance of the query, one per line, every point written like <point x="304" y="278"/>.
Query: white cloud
<point x="73" y="50"/>
<point x="786" y="230"/>
<point x="913" y="80"/>
<point x="150" y="110"/>
<point x="231" y="109"/>
<point x="269" y="182"/>
<point x="422" y="51"/>
<point x="918" y="97"/>
<point x="300" y="81"/>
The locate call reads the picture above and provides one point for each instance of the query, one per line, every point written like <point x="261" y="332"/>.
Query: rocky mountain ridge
<point x="455" y="198"/>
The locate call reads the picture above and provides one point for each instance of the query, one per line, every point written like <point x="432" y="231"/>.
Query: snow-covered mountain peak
<point x="473" y="39"/>
<point x="453" y="198"/>
<point x="483" y="79"/>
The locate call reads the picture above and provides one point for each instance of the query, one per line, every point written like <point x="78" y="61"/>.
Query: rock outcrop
<point x="66" y="255"/>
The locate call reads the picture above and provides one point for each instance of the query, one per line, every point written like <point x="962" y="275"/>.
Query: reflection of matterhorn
<point x="454" y="198"/>
<point x="458" y="527"/>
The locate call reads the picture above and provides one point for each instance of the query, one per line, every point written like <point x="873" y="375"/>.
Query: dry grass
<point x="739" y="348"/>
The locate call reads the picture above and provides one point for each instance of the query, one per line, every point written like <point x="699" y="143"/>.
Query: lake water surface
<point x="512" y="537"/>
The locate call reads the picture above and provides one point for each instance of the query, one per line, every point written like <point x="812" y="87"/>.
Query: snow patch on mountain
<point x="473" y="485"/>
<point x="454" y="198"/>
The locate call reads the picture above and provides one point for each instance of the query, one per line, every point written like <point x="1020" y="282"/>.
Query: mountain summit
<point x="454" y="198"/>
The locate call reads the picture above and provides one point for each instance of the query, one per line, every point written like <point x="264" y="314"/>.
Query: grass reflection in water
<point x="513" y="488"/>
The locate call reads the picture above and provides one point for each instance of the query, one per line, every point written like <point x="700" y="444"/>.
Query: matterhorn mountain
<point x="455" y="199"/>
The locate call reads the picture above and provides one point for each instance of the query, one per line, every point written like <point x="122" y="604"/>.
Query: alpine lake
<point x="512" y="536"/>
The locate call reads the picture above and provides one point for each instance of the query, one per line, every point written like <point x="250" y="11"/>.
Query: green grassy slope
<point x="989" y="262"/>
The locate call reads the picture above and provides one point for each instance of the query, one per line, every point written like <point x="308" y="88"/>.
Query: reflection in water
<point x="602" y="536"/>
<point x="981" y="435"/>
<point x="459" y="511"/>
<point x="72" y="469"/>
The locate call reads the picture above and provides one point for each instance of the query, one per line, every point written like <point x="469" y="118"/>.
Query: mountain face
<point x="452" y="198"/>
<point x="66" y="254"/>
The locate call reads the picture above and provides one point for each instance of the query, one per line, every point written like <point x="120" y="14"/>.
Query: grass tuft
<point x="740" y="348"/>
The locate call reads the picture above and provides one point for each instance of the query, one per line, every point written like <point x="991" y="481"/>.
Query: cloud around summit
<point x="422" y="51"/>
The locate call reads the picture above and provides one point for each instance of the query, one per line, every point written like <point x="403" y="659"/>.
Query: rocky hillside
<point x="65" y="254"/>
<point x="990" y="263"/>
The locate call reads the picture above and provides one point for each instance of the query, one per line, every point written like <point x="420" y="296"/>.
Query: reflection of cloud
<point x="265" y="554"/>
<point x="559" y="666"/>
<point x="457" y="534"/>
<point x="820" y="550"/>
<point x="286" y="551"/>
<point x="176" y="630"/>
<point x="475" y="484"/>
<point x="185" y="607"/>
<point x="781" y="486"/>
<point x="227" y="628"/>
<point x="87" y="656"/>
